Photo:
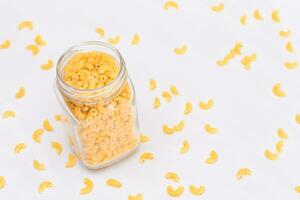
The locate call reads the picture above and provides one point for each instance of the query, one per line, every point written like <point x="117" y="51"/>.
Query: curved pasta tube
<point x="156" y="103"/>
<point x="21" y="93"/>
<point x="71" y="162"/>
<point x="38" y="166"/>
<point x="5" y="44"/>
<point x="33" y="48"/>
<point x="172" y="176"/>
<point x="152" y="84"/>
<point x="218" y="8"/>
<point x="45" y="185"/>
<point x="279" y="146"/>
<point x="297" y="188"/>
<point x="144" y="138"/>
<point x="139" y="196"/>
<point x="174" y="90"/>
<point x="291" y="65"/>
<point x="175" y="192"/>
<point x="181" y="50"/>
<point x="19" y="147"/>
<point x="89" y="186"/>
<point x="257" y="15"/>
<point x="210" y="129"/>
<point x="8" y="114"/>
<point x="114" y="183"/>
<point x="100" y="31"/>
<point x="206" y="105"/>
<point x="275" y="16"/>
<point x="179" y="127"/>
<point x="57" y="147"/>
<point x="243" y="20"/>
<point x="188" y="107"/>
<point x="26" y="24"/>
<point x="213" y="158"/>
<point x="289" y="47"/>
<point x="185" y="147"/>
<point x="146" y="156"/>
<point x="36" y="136"/>
<point x="114" y="40"/>
<point x="297" y="118"/>
<point x="2" y="182"/>
<point x="282" y="134"/>
<point x="167" y="96"/>
<point x="47" y="125"/>
<point x="285" y="33"/>
<point x="197" y="191"/>
<point x="271" y="156"/>
<point x="135" y="39"/>
<point x="167" y="130"/>
<point x="171" y="4"/>
<point x="39" y="40"/>
<point x="277" y="90"/>
<point x="48" y="65"/>
<point x="243" y="172"/>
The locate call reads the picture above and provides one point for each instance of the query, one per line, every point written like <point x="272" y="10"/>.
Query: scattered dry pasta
<point x="45" y="185"/>
<point x="47" y="125"/>
<point x="172" y="176"/>
<point x="5" y="44"/>
<point x="206" y="105"/>
<point x="146" y="156"/>
<point x="243" y="172"/>
<point x="197" y="191"/>
<point x="26" y="24"/>
<point x="257" y="15"/>
<point x="19" y="147"/>
<point x="171" y="4"/>
<point x="2" y="182"/>
<point x="282" y="134"/>
<point x="156" y="103"/>
<point x="181" y="50"/>
<point x="175" y="192"/>
<point x="39" y="40"/>
<point x="57" y="147"/>
<point x="271" y="156"/>
<point x="114" y="183"/>
<point x="188" y="107"/>
<point x="275" y="16"/>
<point x="38" y="166"/>
<point x="71" y="162"/>
<point x="185" y="147"/>
<point x="136" y="39"/>
<point x="210" y="129"/>
<point x="277" y="90"/>
<point x="48" y="65"/>
<point x="33" y="48"/>
<point x="291" y="65"/>
<point x="21" y="93"/>
<point x="36" y="136"/>
<point x="100" y="31"/>
<point x="114" y="40"/>
<point x="88" y="186"/>
<point x="217" y="8"/>
<point x="8" y="114"/>
<point x="213" y="157"/>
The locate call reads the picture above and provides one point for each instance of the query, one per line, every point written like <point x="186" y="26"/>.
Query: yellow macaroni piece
<point x="167" y="130"/>
<point x="100" y="31"/>
<point x="185" y="147"/>
<point x="289" y="47"/>
<point x="19" y="147"/>
<point x="114" y="183"/>
<point x="279" y="146"/>
<point x="172" y="176"/>
<point x="139" y="196"/>
<point x="271" y="156"/>
<point x="58" y="118"/>
<point x="89" y="186"/>
<point x="174" y="90"/>
<point x="146" y="156"/>
<point x="206" y="105"/>
<point x="8" y="114"/>
<point x="36" y="136"/>
<point x="198" y="191"/>
<point x="71" y="162"/>
<point x="188" y="107"/>
<point x="26" y="24"/>
<point x="167" y="96"/>
<point x="210" y="129"/>
<point x="217" y="8"/>
<point x="243" y="172"/>
<point x="45" y="185"/>
<point x="179" y="127"/>
<point x="213" y="157"/>
<point x="39" y="40"/>
<point x="243" y="20"/>
<point x="275" y="16"/>
<point x="57" y="147"/>
<point x="144" y="138"/>
<point x="291" y="65"/>
<point x="5" y="44"/>
<point x="235" y="51"/>
<point x="48" y="65"/>
<point x="277" y="90"/>
<point x="247" y="60"/>
<point x="175" y="192"/>
<point x="297" y="189"/>
<point x="47" y="125"/>
<point x="21" y="93"/>
<point x="152" y="84"/>
<point x="38" y="166"/>
<point x="171" y="4"/>
<point x="297" y="118"/>
<point x="285" y="33"/>
<point x="115" y="40"/>
<point x="181" y="50"/>
<point x="135" y="39"/>
<point x="156" y="103"/>
<point x="33" y="48"/>
<point x="2" y="182"/>
<point x="257" y="15"/>
<point x="282" y="134"/>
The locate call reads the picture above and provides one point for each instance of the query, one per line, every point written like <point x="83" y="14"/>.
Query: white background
<point x="246" y="112"/>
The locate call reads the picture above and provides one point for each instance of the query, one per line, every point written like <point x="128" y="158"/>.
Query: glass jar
<point x="98" y="102"/>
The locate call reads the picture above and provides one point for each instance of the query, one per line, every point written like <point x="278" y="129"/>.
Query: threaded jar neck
<point x="97" y="94"/>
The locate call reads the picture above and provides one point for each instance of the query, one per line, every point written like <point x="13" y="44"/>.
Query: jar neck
<point x="91" y="95"/>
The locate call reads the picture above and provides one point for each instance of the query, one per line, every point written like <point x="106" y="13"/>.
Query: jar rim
<point x="73" y="48"/>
